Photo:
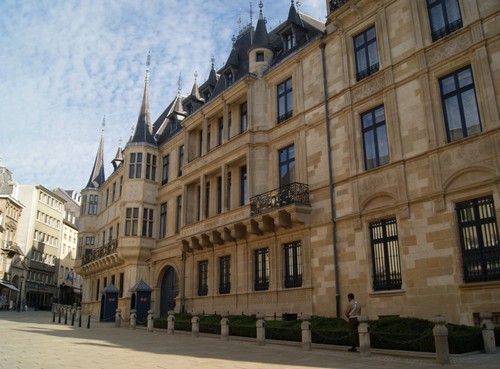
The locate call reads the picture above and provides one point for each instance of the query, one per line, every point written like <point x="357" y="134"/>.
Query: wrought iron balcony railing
<point x="293" y="193"/>
<point x="335" y="4"/>
<point x="96" y="254"/>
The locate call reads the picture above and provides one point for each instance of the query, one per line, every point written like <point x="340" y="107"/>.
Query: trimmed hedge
<point x="394" y="333"/>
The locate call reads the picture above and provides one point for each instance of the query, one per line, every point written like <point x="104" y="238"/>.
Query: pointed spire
<point x="261" y="36"/>
<point x="142" y="133"/>
<point x="195" y="91"/>
<point x="97" y="177"/>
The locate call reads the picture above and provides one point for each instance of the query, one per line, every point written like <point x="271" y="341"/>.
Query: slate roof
<point x="141" y="286"/>
<point x="97" y="177"/>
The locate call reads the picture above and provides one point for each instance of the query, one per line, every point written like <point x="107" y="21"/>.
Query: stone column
<point x="133" y="318"/>
<point x="195" y="325"/>
<point x="224" y="326"/>
<point x="170" y="322"/>
<point x="488" y="329"/>
<point x="118" y="318"/>
<point x="364" y="336"/>
<point x="441" y="340"/>
<point x="261" y="329"/>
<point x="305" y="326"/>
<point x="151" y="322"/>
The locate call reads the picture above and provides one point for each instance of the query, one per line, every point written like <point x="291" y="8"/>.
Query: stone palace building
<point x="361" y="155"/>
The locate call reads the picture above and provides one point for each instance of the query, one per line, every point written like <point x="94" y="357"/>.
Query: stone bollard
<point x="79" y="314"/>
<point x="59" y="311"/>
<point x="261" y="329"/>
<point x="441" y="340"/>
<point x="73" y="312"/>
<point x="133" y="318"/>
<point x="305" y="326"/>
<point x="488" y="329"/>
<point x="66" y="308"/>
<point x="224" y="326"/>
<point x="195" y="325"/>
<point x="171" y="322"/>
<point x="118" y="318"/>
<point x="364" y="336"/>
<point x="151" y="322"/>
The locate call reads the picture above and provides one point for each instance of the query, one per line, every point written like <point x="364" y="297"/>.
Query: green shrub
<point x="462" y="338"/>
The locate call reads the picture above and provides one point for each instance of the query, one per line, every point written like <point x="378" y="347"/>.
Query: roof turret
<point x="97" y="177"/>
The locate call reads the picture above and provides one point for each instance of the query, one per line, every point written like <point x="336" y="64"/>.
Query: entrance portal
<point x="169" y="291"/>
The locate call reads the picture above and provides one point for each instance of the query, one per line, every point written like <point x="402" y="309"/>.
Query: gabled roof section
<point x="142" y="133"/>
<point x="119" y="159"/>
<point x="97" y="177"/>
<point x="170" y="121"/>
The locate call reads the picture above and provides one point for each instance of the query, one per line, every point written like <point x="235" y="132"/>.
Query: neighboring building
<point x="262" y="191"/>
<point x="12" y="268"/>
<point x="68" y="282"/>
<point x="39" y="233"/>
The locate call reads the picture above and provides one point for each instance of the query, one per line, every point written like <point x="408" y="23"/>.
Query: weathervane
<point x="179" y="84"/>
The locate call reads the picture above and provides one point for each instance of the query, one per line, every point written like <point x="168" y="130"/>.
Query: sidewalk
<point x="30" y="340"/>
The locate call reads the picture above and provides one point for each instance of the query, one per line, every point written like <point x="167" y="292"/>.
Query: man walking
<point x="352" y="311"/>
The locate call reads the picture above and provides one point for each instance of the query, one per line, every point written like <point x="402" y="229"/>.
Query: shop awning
<point x="9" y="285"/>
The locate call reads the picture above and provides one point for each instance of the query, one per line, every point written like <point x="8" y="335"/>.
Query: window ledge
<point x="479" y="285"/>
<point x="388" y="293"/>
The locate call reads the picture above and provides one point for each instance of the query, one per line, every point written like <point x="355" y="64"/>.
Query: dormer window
<point x="259" y="56"/>
<point x="289" y="40"/>
<point x="189" y="108"/>
<point x="229" y="78"/>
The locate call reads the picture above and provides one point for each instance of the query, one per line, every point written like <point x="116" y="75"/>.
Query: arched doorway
<point x="169" y="290"/>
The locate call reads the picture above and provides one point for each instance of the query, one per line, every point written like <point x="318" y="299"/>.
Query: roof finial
<point x="195" y="76"/>
<point x="299" y="4"/>
<point x="251" y="13"/>
<point x="212" y="59"/>
<point x="120" y="142"/>
<point x="261" y="5"/>
<point x="179" y="84"/>
<point x="239" y="22"/>
<point x="234" y="40"/>
<point x="103" y="124"/>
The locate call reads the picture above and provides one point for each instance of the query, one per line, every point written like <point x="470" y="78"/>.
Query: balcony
<point x="282" y="208"/>
<point x="100" y="258"/>
<point x="335" y="4"/>
<point x="293" y="193"/>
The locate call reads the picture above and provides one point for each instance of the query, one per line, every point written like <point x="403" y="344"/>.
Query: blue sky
<point x="67" y="63"/>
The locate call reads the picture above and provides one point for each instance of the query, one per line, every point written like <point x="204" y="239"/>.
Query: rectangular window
<point x="163" y="220"/>
<point x="151" y="167"/>
<point x="459" y="102"/>
<point x="135" y="166"/>
<point x="375" y="145"/>
<point x="478" y="229"/>
<point x="198" y="193"/>
<point x="121" y="186"/>
<point x="259" y="56"/>
<point x="385" y="255"/>
<point x="122" y="279"/>
<point x="219" y="194"/>
<point x="444" y="17"/>
<point x="225" y="274"/>
<point x="131" y="221"/>
<point x="147" y="222"/>
<point x="107" y="196"/>
<point x="243" y="185"/>
<point x="293" y="264"/>
<point x="229" y="127"/>
<point x="229" y="190"/>
<point x="203" y="278"/>
<point x="200" y="144"/>
<point x="93" y="204"/>
<point x="113" y="198"/>
<point x="220" y="131"/>
<point x="165" y="169"/>
<point x="207" y="199"/>
<point x="261" y="269"/>
<point x="365" y="48"/>
<point x="289" y="41"/>
<point x="181" y="160"/>
<point x="178" y="213"/>
<point x="209" y="137"/>
<point x="97" y="290"/>
<point x="285" y="100"/>
<point x="243" y="117"/>
<point x="287" y="165"/>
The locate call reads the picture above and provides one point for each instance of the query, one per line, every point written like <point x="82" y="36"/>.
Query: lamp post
<point x="19" y="298"/>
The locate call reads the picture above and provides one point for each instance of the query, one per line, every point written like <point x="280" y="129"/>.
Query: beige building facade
<point x="358" y="156"/>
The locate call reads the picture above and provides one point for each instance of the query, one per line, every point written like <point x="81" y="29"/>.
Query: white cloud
<point x="66" y="64"/>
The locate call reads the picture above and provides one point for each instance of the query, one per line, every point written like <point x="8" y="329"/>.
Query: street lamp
<point x="19" y="297"/>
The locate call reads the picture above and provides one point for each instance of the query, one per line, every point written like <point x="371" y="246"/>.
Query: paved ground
<point x="31" y="341"/>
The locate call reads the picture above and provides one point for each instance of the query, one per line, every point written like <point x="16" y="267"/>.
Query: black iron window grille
<point x="293" y="264"/>
<point x="203" y="278"/>
<point x="385" y="255"/>
<point x="335" y="4"/>
<point x="225" y="274"/>
<point x="478" y="229"/>
<point x="261" y="269"/>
